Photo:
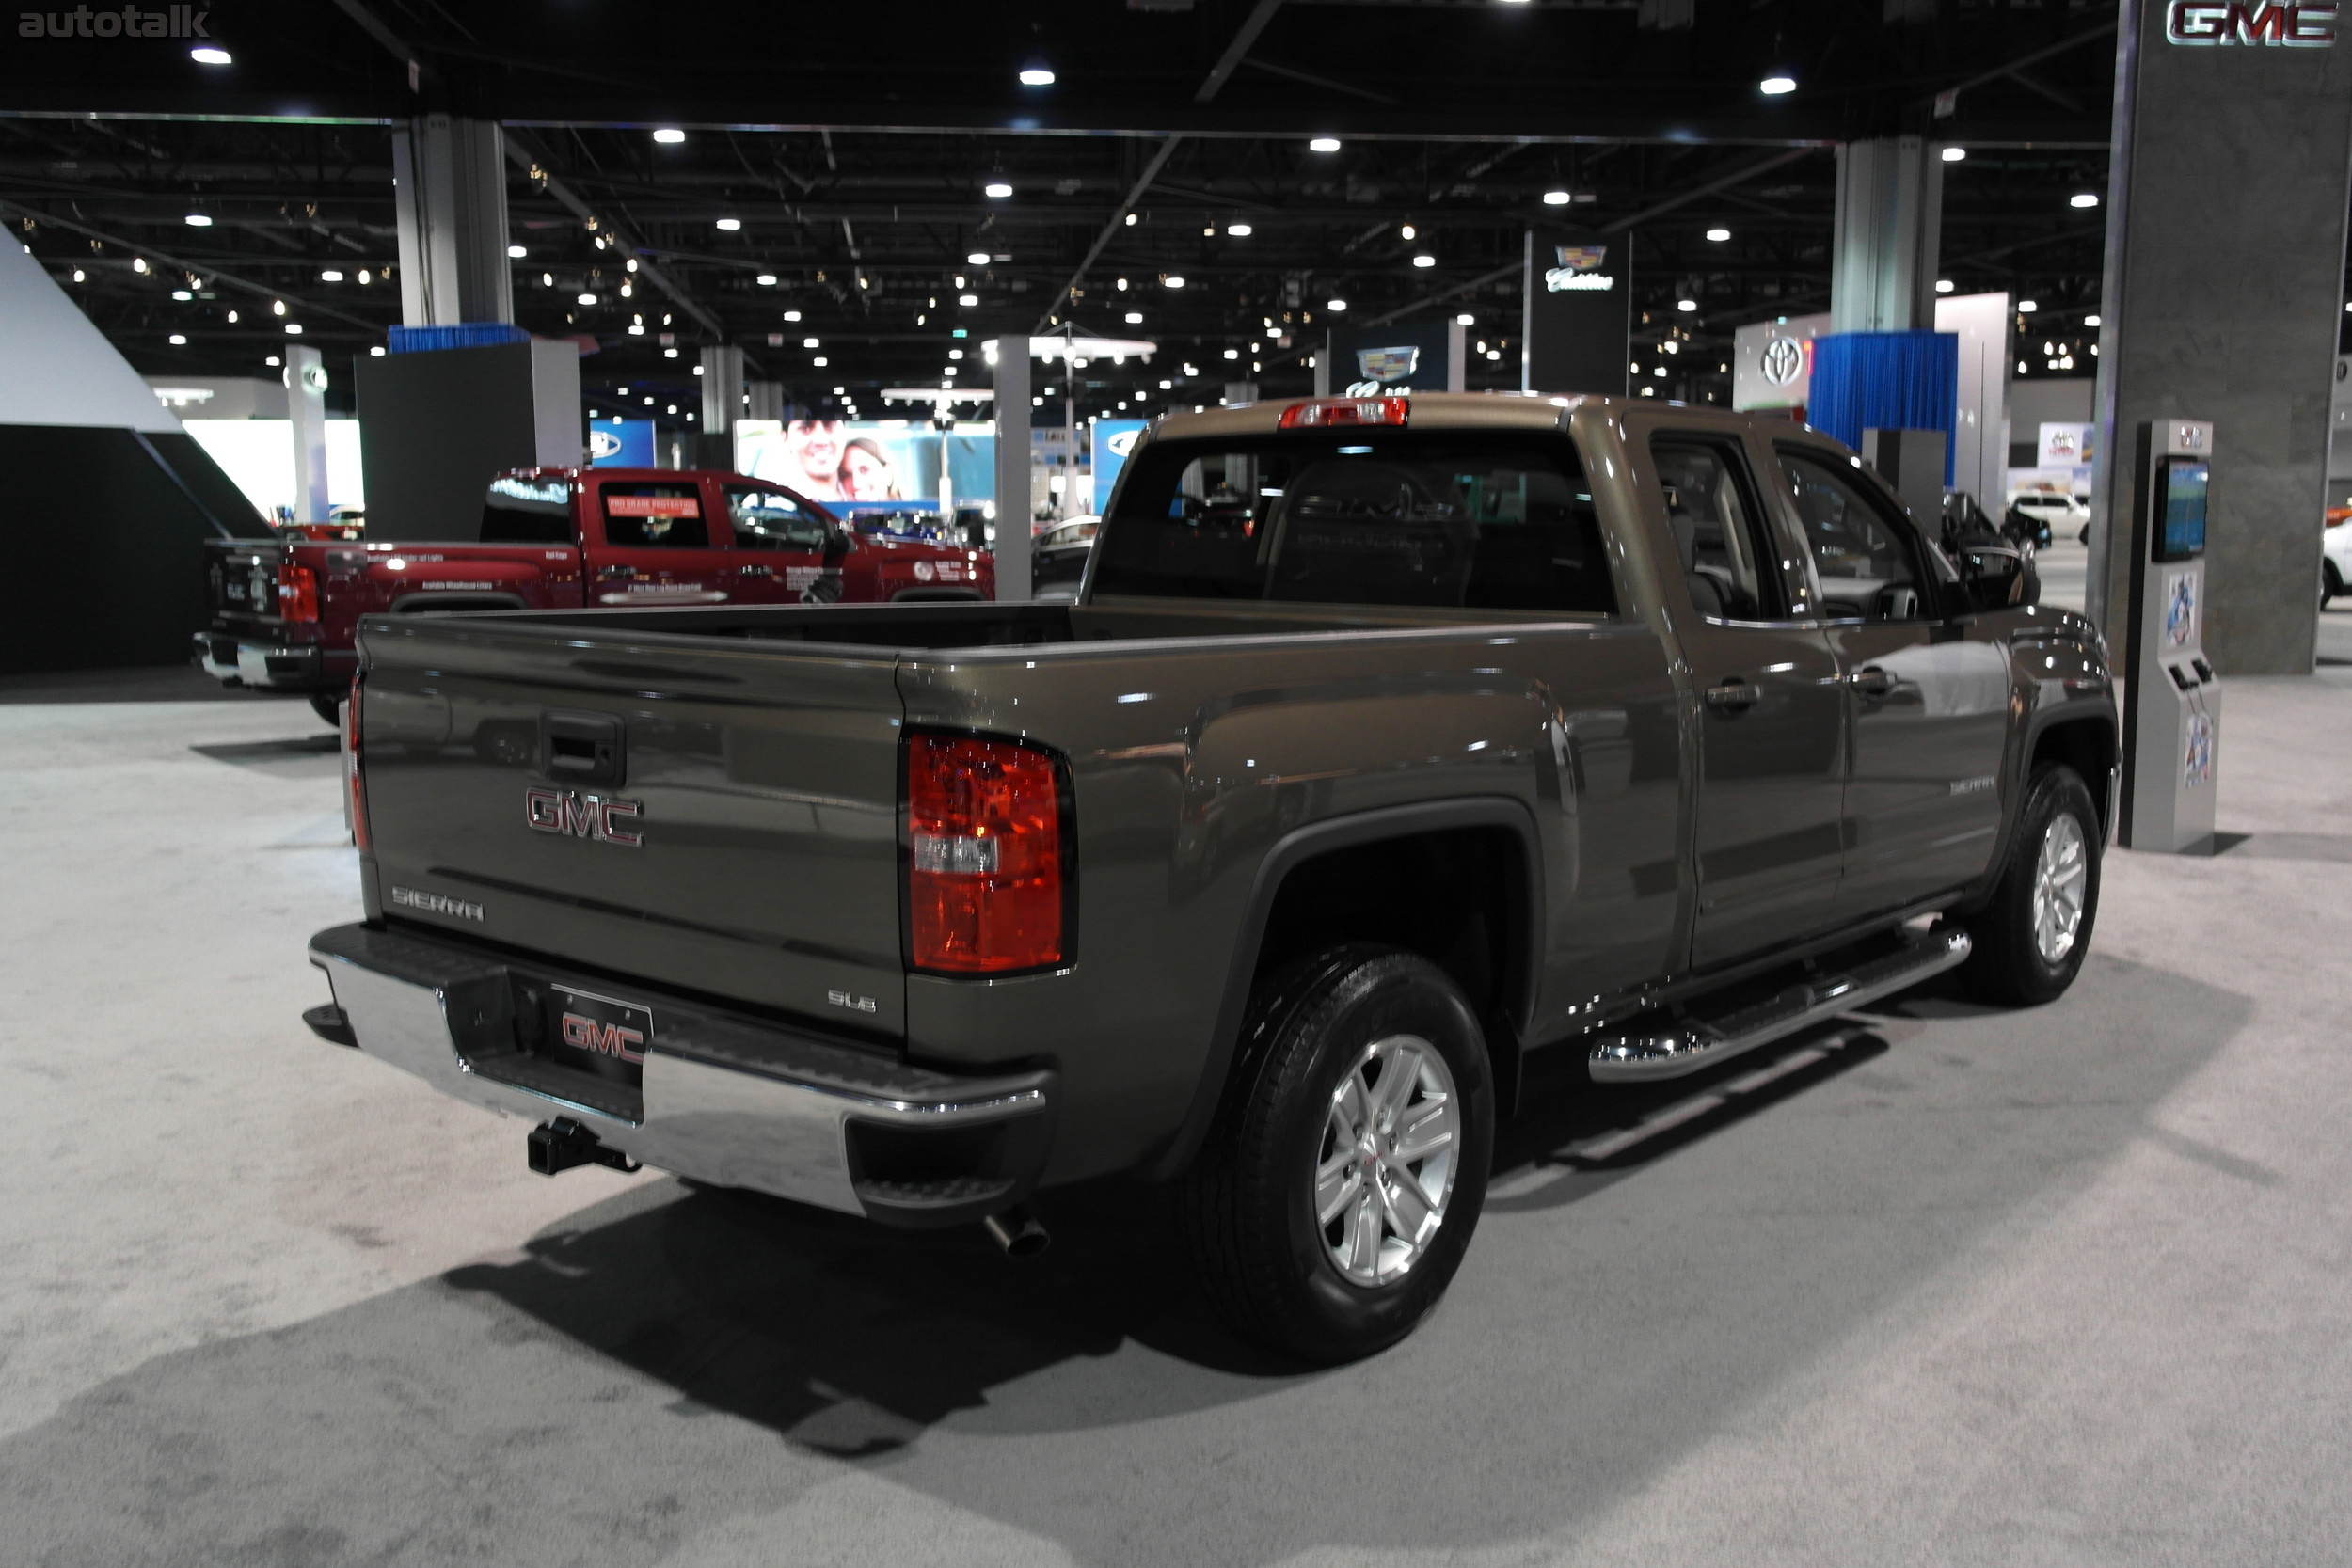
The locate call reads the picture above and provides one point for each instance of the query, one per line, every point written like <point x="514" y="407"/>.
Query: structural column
<point x="723" y="404"/>
<point x="305" y="409"/>
<point x="1011" y="362"/>
<point x="2223" y="298"/>
<point x="449" y="180"/>
<point x="1883" y="248"/>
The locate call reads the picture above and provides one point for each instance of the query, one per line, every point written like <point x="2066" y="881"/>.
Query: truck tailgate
<point x="740" y="839"/>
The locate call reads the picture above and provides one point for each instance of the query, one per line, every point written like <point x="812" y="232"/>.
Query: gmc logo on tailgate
<point x="590" y="816"/>
<point x="2263" y="22"/>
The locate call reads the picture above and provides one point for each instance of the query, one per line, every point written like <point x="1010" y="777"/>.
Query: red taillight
<point x="1319" y="413"/>
<point x="985" y="885"/>
<point x="354" y="785"/>
<point x="298" y="593"/>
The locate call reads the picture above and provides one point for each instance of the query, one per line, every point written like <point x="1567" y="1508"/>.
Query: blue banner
<point x="1113" y="440"/>
<point x="620" y="443"/>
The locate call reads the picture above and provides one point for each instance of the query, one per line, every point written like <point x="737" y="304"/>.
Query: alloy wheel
<point x="1385" y="1166"/>
<point x="2061" y="880"/>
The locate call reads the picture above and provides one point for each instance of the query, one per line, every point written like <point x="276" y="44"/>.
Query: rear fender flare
<point x="1345" y="832"/>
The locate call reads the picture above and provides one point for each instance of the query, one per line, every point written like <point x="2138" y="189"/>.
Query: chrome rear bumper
<point x="725" y="1099"/>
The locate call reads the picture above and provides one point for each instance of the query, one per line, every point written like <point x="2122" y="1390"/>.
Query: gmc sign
<point x="2262" y="23"/>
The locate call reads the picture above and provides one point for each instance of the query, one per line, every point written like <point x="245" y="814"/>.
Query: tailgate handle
<point x="581" y="747"/>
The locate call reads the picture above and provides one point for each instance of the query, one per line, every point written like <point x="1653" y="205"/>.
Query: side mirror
<point x="1995" y="577"/>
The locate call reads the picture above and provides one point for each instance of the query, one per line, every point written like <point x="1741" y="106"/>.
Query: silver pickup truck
<point x="1388" y="740"/>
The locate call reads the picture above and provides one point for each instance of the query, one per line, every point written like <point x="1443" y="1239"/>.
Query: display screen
<point x="2180" y="524"/>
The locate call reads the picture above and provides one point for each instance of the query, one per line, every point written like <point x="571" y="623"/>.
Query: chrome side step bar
<point x="1676" y="1049"/>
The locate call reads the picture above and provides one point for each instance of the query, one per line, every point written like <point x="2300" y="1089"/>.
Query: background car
<point x="1059" y="562"/>
<point x="2048" y="512"/>
<point x="2335" y="558"/>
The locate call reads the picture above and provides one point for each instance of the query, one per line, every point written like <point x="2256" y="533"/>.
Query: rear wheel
<point x="2032" y="934"/>
<point x="1340" y="1185"/>
<point x="2330" y="583"/>
<point x="328" y="705"/>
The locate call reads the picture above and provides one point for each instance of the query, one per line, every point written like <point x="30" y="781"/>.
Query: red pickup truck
<point x="284" y="612"/>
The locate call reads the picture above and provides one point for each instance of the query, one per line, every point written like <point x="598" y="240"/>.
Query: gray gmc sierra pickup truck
<point x="1388" y="740"/>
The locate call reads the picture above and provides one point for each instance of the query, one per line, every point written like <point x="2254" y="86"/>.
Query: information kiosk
<point x="2173" y="702"/>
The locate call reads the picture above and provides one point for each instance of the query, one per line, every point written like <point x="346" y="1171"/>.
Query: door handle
<point x="1872" y="681"/>
<point x="1733" y="696"/>
<point x="754" y="571"/>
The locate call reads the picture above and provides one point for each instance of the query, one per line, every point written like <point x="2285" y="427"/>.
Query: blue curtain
<point x="1886" y="381"/>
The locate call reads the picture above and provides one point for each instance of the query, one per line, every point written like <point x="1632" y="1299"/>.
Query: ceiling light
<point x="1123" y="285"/>
<point x="1405" y="231"/>
<point x="138" y="265"/>
<point x="587" y="299"/>
<point x="1335" y="306"/>
<point x="1173" y="281"/>
<point x="1424" y="260"/>
<point x="1955" y="154"/>
<point x="791" y="315"/>
<point x="808" y="342"/>
<point x="979" y="258"/>
<point x="1466" y="319"/>
<point x="1037" y="76"/>
<point x="205" y="54"/>
<point x="198" y="220"/>
<point x="294" y="329"/>
<point x="2083" y="199"/>
<point x="1131" y="220"/>
<point x="820" y="359"/>
<point x="1686" y="305"/>
<point x="728" y="224"/>
<point x="1233" y="354"/>
<point x="330" y="276"/>
<point x="669" y="136"/>
<point x="1773" y="86"/>
<point x="2091" y="321"/>
<point x="1238" y="230"/>
<point x="518" y="252"/>
<point x="1719" y="235"/>
<point x="181" y="294"/>
<point x="2026" y="306"/>
<point x="1557" y="199"/>
<point x="1323" y="144"/>
<point x="273" y="359"/>
<point x="178" y="339"/>
<point x="1135" y="318"/>
<point x="278" y="306"/>
<point x="766" y="280"/>
<point x="1942" y="285"/>
<point x="996" y="188"/>
<point x="967" y="299"/>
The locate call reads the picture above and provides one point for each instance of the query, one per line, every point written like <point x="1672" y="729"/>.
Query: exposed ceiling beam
<point x="370" y="25"/>
<point x="260" y="290"/>
<point x="1739" y="176"/>
<point x="525" y="155"/>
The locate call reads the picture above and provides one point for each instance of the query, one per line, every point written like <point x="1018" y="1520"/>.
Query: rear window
<point x="1356" y="516"/>
<point x="656" y="516"/>
<point x="528" y="512"/>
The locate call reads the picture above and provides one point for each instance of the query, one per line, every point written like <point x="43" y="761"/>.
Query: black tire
<point x="2330" y="583"/>
<point x="2008" y="964"/>
<point x="1249" y="1203"/>
<point x="328" y="705"/>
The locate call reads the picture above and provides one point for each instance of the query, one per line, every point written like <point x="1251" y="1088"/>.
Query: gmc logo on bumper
<point x="603" y="1040"/>
<point x="590" y="816"/>
<point x="2262" y="23"/>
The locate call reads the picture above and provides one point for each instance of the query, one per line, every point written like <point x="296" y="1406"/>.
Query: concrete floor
<point x="2064" y="1286"/>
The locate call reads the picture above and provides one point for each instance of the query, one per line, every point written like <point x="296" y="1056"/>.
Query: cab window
<point x="655" y="517"/>
<point x="1371" y="516"/>
<point x="1710" y="507"/>
<point x="771" y="520"/>
<point x="522" y="511"/>
<point x="1869" y="570"/>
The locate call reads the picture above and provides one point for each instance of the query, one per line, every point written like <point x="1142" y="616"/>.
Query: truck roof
<point x="632" y="475"/>
<point x="1441" y="410"/>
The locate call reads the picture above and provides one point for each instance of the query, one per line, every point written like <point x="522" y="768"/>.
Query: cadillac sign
<point x="1387" y="364"/>
<point x="1579" y="270"/>
<point x="2261" y="23"/>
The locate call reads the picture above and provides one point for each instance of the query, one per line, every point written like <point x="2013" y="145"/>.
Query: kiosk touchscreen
<point x="2171" y="699"/>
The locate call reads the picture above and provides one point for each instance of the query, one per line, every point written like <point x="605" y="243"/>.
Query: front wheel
<point x="2032" y="934"/>
<point x="1339" y="1190"/>
<point x="329" y="706"/>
